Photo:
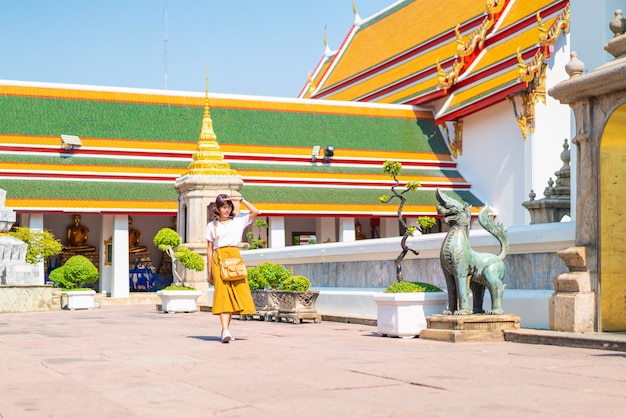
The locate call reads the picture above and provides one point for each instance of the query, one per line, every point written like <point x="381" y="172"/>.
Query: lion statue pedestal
<point x="469" y="328"/>
<point x="465" y="270"/>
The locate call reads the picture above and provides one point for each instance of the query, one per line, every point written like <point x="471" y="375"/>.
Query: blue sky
<point x="252" y="47"/>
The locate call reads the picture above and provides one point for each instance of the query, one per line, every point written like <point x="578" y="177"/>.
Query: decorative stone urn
<point x="404" y="314"/>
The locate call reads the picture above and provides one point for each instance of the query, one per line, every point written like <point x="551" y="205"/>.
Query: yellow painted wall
<point x="613" y="223"/>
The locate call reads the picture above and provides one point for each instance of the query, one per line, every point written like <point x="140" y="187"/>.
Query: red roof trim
<point x="394" y="61"/>
<point x="480" y="105"/>
<point x="405" y="82"/>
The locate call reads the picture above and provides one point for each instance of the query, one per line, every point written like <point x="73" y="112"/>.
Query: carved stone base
<point x="298" y="317"/>
<point x="297" y="306"/>
<point x="468" y="328"/>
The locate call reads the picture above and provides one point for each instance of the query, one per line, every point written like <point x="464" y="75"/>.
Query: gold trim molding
<point x="465" y="50"/>
<point x="455" y="144"/>
<point x="534" y="73"/>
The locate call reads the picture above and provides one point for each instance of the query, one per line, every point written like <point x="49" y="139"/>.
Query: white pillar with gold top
<point x="207" y="176"/>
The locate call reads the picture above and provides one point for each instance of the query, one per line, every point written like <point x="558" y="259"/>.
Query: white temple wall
<point x="552" y="124"/>
<point x="588" y="43"/>
<point x="494" y="161"/>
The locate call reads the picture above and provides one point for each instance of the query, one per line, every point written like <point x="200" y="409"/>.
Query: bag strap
<point x="217" y="243"/>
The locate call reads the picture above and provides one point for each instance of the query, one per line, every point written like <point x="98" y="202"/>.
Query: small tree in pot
<point x="403" y="306"/>
<point x="424" y="222"/>
<point x="168" y="241"/>
<point x="178" y="297"/>
<point x="77" y="271"/>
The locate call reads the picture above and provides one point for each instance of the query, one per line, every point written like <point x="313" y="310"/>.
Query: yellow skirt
<point x="230" y="297"/>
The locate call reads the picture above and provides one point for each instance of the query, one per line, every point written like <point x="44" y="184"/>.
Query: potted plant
<point x="392" y="168"/>
<point x="178" y="297"/>
<point x="77" y="271"/>
<point x="403" y="306"/>
<point x="265" y="280"/>
<point x="296" y="302"/>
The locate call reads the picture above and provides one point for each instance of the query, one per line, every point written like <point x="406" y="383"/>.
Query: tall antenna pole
<point x="165" y="47"/>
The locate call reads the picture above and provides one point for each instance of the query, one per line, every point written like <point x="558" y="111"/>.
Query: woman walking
<point x="229" y="297"/>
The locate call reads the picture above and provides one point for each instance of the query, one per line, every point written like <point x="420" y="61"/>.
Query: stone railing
<point x="531" y="262"/>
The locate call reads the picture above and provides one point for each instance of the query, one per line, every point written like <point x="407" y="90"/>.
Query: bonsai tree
<point x="392" y="168"/>
<point x="257" y="242"/>
<point x="77" y="271"/>
<point x="168" y="241"/>
<point x="41" y="244"/>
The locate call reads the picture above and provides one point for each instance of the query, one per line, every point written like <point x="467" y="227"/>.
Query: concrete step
<point x="614" y="341"/>
<point x="135" y="298"/>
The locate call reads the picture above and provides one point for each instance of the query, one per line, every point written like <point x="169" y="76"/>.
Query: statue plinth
<point x="469" y="328"/>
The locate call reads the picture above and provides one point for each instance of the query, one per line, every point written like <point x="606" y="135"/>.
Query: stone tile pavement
<point x="134" y="361"/>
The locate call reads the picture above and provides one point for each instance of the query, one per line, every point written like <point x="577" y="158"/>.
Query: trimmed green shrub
<point x="168" y="241"/>
<point x="411" y="287"/>
<point x="166" y="238"/>
<point x="270" y="275"/>
<point x="189" y="259"/>
<point x="256" y="280"/>
<point x="296" y="284"/>
<point x="77" y="271"/>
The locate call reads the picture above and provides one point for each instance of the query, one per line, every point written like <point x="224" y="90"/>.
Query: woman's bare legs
<point x="225" y="318"/>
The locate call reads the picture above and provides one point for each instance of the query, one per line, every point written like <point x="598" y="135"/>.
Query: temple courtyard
<point x="135" y="361"/>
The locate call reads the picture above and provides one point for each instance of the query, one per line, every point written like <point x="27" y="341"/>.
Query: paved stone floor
<point x="134" y="361"/>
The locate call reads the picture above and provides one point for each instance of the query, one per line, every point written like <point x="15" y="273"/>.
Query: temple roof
<point x="465" y="52"/>
<point x="136" y="143"/>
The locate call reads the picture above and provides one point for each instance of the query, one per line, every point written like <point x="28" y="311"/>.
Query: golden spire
<point x="208" y="159"/>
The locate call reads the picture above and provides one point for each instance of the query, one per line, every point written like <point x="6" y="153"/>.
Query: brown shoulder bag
<point x="232" y="268"/>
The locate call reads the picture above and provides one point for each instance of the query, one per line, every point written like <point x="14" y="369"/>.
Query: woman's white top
<point x="229" y="233"/>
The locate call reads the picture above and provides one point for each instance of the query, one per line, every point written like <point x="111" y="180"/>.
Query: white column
<point x="276" y="231"/>
<point x="119" y="285"/>
<point x="325" y="230"/>
<point x="346" y="230"/>
<point x="35" y="222"/>
<point x="389" y="227"/>
<point x="106" y="270"/>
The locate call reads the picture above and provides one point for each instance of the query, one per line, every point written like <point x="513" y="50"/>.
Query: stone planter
<point x="404" y="314"/>
<point x="78" y="299"/>
<point x="296" y="306"/>
<point x="173" y="301"/>
<point x="266" y="304"/>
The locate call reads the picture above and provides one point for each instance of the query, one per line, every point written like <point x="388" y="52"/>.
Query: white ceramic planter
<point x="79" y="299"/>
<point x="404" y="314"/>
<point x="179" y="300"/>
